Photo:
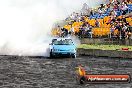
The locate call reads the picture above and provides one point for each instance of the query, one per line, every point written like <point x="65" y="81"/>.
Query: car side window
<point x="54" y="41"/>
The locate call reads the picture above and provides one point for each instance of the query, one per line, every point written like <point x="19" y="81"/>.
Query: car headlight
<point x="55" y="49"/>
<point x="72" y="49"/>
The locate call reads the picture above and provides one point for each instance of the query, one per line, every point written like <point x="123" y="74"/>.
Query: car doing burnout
<point x="61" y="46"/>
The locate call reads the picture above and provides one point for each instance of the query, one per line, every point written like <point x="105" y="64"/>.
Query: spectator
<point x="72" y="31"/>
<point x="96" y="23"/>
<point x="123" y="33"/>
<point x="124" y="8"/>
<point x="100" y="11"/>
<point x="112" y="31"/>
<point x="91" y="13"/>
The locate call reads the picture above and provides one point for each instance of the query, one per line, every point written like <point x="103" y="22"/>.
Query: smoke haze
<point x="25" y="24"/>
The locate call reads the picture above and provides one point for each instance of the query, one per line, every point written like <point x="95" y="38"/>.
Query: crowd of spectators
<point x="113" y="20"/>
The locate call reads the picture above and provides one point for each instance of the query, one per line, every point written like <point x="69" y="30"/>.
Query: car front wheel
<point x="74" y="56"/>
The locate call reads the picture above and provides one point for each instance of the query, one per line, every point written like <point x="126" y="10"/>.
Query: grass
<point x="104" y="47"/>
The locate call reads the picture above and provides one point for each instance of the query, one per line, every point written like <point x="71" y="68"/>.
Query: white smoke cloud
<point x="24" y="24"/>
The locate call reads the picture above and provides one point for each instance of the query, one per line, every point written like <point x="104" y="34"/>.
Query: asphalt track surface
<point x="41" y="72"/>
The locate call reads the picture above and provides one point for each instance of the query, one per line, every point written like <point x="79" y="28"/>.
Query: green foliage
<point x="104" y="47"/>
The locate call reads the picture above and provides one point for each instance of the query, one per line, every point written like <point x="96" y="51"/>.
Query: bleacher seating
<point x="130" y="7"/>
<point x="104" y="20"/>
<point x="76" y="26"/>
<point x="68" y="27"/>
<point x="100" y="31"/>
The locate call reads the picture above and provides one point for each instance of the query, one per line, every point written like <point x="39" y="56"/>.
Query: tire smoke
<point x="25" y="24"/>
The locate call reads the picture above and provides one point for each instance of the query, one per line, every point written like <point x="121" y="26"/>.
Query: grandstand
<point x="105" y="21"/>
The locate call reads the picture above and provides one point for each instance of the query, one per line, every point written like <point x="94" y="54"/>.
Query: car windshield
<point x="63" y="42"/>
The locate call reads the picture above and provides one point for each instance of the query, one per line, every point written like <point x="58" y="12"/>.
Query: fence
<point x="96" y="32"/>
<point x="105" y="32"/>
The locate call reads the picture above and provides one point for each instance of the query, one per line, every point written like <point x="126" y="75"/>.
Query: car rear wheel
<point x="51" y="55"/>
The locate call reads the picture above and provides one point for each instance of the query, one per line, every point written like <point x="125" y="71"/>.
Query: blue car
<point x="62" y="46"/>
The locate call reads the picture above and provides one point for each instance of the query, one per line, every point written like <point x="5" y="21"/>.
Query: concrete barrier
<point x="104" y="53"/>
<point x="106" y="41"/>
